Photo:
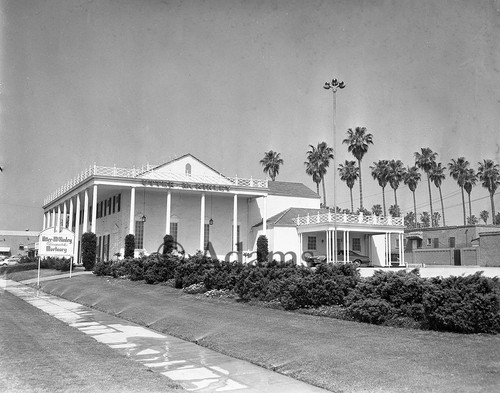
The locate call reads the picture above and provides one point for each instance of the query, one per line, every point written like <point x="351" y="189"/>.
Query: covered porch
<point x="340" y="237"/>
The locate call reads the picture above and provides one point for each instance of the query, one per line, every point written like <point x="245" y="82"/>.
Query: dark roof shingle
<point x="284" y="188"/>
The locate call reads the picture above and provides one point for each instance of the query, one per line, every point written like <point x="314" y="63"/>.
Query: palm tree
<point x="358" y="141"/>
<point x="469" y="182"/>
<point x="349" y="173"/>
<point x="489" y="174"/>
<point x="458" y="169"/>
<point x="271" y="163"/>
<point x="425" y="160"/>
<point x="380" y="172"/>
<point x="437" y="176"/>
<point x="396" y="174"/>
<point x="411" y="179"/>
<point x="312" y="166"/>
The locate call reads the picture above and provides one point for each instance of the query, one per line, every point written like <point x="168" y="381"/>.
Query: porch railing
<point x="147" y="172"/>
<point x="345" y="218"/>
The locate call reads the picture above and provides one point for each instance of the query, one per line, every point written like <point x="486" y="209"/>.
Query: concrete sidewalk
<point x="194" y="367"/>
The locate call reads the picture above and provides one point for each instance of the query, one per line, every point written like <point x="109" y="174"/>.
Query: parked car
<point x="354" y="257"/>
<point x="11" y="260"/>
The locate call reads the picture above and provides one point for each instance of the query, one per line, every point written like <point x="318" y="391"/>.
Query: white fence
<point x="331" y="217"/>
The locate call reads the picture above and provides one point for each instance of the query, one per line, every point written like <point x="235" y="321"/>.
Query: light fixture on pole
<point x="143" y="218"/>
<point x="334" y="85"/>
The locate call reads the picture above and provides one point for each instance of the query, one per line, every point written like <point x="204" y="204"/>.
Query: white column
<point x="301" y="250"/>
<point x="85" y="211"/>
<point x="348" y="247"/>
<point x="44" y="220"/>
<point x="53" y="218"/>
<point x="264" y="217"/>
<point x="327" y="236"/>
<point x="65" y="213"/>
<point x="71" y="211"/>
<point x="202" y="221"/>
<point x="77" y="229"/>
<point x="132" y="212"/>
<point x="58" y="223"/>
<point x="402" y="250"/>
<point x="93" y="227"/>
<point x="169" y="212"/>
<point x="235" y="222"/>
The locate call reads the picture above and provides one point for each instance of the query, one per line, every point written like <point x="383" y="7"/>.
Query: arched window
<point x="188" y="169"/>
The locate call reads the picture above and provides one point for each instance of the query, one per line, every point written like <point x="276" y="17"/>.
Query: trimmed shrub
<point x="262" y="249"/>
<point x="168" y="245"/>
<point x="375" y="311"/>
<point x="89" y="245"/>
<point x="102" y="268"/>
<point x="129" y="246"/>
<point x="469" y="304"/>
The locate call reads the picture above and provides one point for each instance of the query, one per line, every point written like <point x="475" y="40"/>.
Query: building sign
<point x="186" y="186"/>
<point x="56" y="244"/>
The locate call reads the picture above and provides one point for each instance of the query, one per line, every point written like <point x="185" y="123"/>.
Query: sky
<point x="130" y="82"/>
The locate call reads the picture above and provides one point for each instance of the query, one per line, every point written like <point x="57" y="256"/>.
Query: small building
<point x="453" y="245"/>
<point x="204" y="209"/>
<point x="18" y="243"/>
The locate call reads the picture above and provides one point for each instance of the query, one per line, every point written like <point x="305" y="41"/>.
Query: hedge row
<point x="468" y="304"/>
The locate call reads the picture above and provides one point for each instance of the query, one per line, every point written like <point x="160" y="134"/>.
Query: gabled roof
<point x="283" y="188"/>
<point x="184" y="156"/>
<point x="285" y="218"/>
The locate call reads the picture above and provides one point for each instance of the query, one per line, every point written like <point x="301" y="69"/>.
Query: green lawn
<point x="338" y="355"/>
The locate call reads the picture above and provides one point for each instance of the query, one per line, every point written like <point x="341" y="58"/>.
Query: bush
<point x="89" y="245"/>
<point x="375" y="311"/>
<point x="401" y="291"/>
<point x="102" y="268"/>
<point x="469" y="304"/>
<point x="262" y="248"/>
<point x="62" y="264"/>
<point x="129" y="246"/>
<point x="168" y="245"/>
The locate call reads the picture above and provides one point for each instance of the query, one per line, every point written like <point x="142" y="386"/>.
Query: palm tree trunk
<point x="317" y="189"/>
<point x="493" y="209"/>
<point x="442" y="205"/>
<point x="463" y="205"/>
<point x="360" y="186"/>
<point x="430" y="199"/>
<point x="352" y="202"/>
<point x="324" y="192"/>
<point x="415" y="207"/>
<point x="395" y="198"/>
<point x="383" y="200"/>
<point x="470" y="207"/>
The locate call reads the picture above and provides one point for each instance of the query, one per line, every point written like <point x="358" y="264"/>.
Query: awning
<point x="4" y="249"/>
<point x="415" y="236"/>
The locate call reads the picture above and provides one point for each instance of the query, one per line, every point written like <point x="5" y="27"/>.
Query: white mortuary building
<point x="202" y="208"/>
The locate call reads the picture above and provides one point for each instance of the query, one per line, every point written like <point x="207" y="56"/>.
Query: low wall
<point x="443" y="256"/>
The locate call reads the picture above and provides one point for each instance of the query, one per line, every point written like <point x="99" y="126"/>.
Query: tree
<point x="425" y="160"/>
<point x="377" y="210"/>
<point x="437" y="176"/>
<point x="271" y="163"/>
<point x="425" y="219"/>
<point x="458" y="169"/>
<point x="469" y="182"/>
<point x="411" y="179"/>
<point x="318" y="160"/>
<point x="380" y="172"/>
<point x="436" y="217"/>
<point x="396" y="175"/>
<point x="168" y="245"/>
<point x="349" y="173"/>
<point x="395" y="211"/>
<point x="472" y="220"/>
<point x="489" y="174"/>
<point x="129" y="246"/>
<point x="89" y="247"/>
<point x="484" y="215"/>
<point x="358" y="141"/>
<point x="410" y="221"/>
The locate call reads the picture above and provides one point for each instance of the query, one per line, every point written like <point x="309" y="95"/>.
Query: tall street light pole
<point x="334" y="85"/>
